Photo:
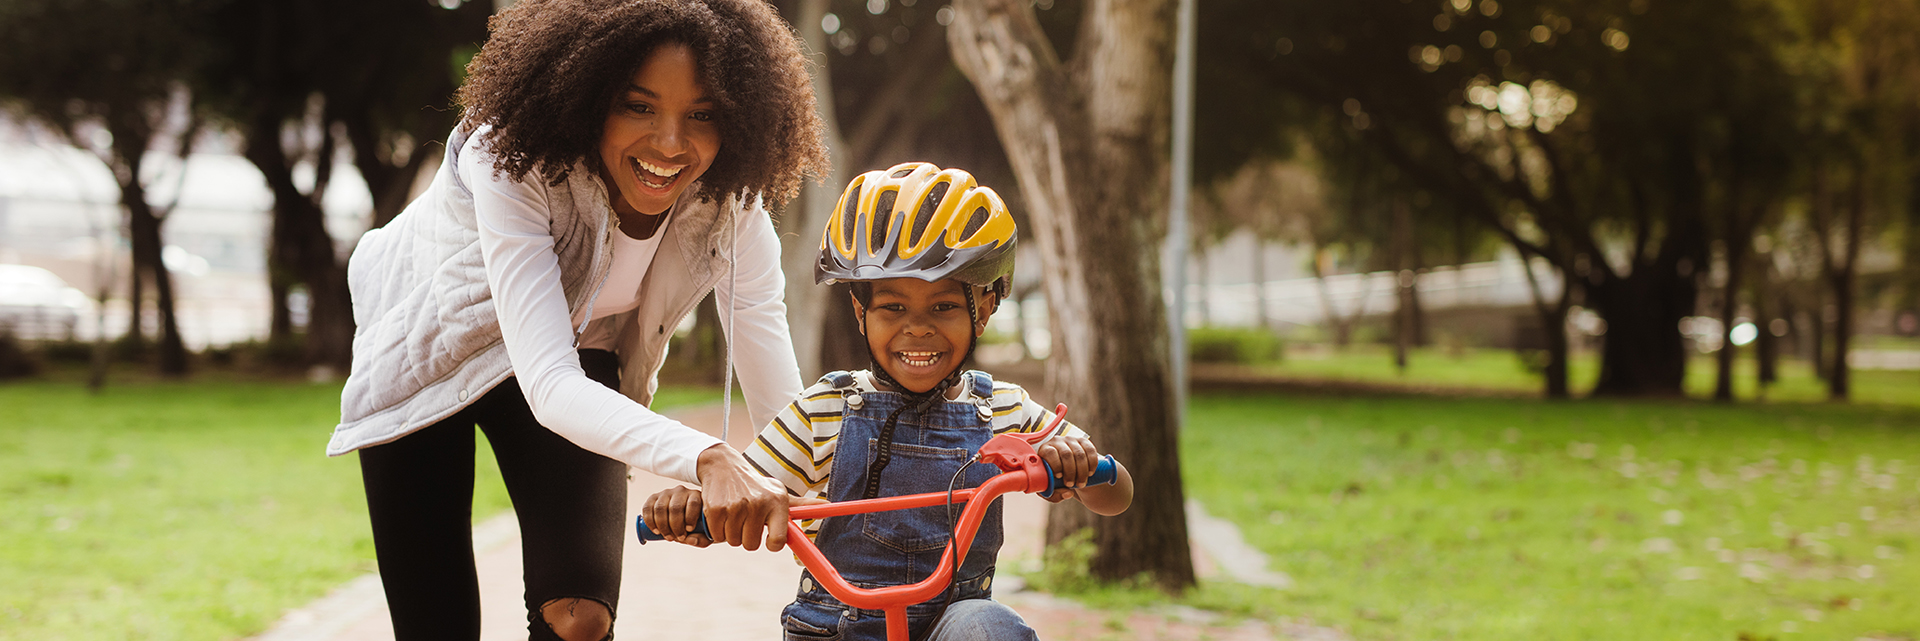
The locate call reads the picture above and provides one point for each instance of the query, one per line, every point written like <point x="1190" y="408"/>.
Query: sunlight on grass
<point x="198" y="510"/>
<point x="1414" y="518"/>
<point x="1505" y="371"/>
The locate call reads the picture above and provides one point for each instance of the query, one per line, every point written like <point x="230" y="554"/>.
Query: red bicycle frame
<point x="1021" y="470"/>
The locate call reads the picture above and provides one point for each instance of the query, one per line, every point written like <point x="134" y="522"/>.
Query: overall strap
<point x="982" y="385"/>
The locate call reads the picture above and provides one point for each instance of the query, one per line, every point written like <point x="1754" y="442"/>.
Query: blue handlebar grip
<point x="1105" y="473"/>
<point x="647" y="534"/>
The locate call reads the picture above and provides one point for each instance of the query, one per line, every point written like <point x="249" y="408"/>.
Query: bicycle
<point x="1021" y="470"/>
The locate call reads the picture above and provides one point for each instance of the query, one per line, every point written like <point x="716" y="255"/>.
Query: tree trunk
<point x="301" y="245"/>
<point x="1340" y="325"/>
<point x="144" y="227"/>
<point x="810" y="306"/>
<point x="1553" y="321"/>
<point x="1644" y="354"/>
<point x="1737" y="241"/>
<point x="1087" y="140"/>
<point x="1814" y="340"/>
<point x="1404" y="280"/>
<point x="1766" y="347"/>
<point x="389" y="179"/>
<point x="1841" y="279"/>
<point x="1260" y="284"/>
<point x="280" y="337"/>
<point x="1201" y="273"/>
<point x="143" y="230"/>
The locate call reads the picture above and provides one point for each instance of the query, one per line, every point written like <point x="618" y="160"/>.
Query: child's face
<point x="920" y="331"/>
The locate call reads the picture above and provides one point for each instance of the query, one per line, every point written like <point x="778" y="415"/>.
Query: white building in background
<point x="60" y="210"/>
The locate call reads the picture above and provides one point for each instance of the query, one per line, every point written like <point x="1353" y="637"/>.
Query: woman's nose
<point x="670" y="138"/>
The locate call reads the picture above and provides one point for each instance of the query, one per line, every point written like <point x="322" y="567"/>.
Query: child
<point x="930" y="255"/>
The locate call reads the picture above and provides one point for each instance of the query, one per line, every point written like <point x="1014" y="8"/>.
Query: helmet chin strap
<point x="919" y="401"/>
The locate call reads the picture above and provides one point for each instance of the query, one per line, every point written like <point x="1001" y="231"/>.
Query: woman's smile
<point x="656" y="176"/>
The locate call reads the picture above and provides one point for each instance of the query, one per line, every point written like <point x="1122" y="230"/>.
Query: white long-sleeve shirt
<point x="523" y="272"/>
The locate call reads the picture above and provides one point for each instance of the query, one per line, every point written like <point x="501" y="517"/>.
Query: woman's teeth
<point x="648" y="172"/>
<point x="919" y="359"/>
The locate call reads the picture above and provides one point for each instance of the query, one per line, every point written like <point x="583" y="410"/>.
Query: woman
<point x="605" y="176"/>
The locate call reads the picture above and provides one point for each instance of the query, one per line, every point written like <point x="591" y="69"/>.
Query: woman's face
<point x="661" y="134"/>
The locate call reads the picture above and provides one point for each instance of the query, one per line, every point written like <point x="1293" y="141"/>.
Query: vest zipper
<point x="606" y="243"/>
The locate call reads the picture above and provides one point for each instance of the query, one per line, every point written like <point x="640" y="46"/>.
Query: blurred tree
<point x="1598" y="136"/>
<point x="1087" y="138"/>
<point x="1863" y="64"/>
<point x="108" y="75"/>
<point x="890" y="93"/>
<point x="809" y="307"/>
<point x="300" y="81"/>
<point x="1275" y="201"/>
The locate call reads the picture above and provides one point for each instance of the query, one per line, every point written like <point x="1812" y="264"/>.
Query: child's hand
<point x="1073" y="459"/>
<point x="673" y="512"/>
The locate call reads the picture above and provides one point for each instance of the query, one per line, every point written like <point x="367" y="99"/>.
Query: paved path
<point x="723" y="593"/>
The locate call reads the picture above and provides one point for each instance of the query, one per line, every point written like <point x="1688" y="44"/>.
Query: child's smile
<point x="919" y="331"/>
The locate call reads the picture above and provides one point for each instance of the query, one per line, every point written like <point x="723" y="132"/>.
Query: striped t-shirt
<point x="797" y="447"/>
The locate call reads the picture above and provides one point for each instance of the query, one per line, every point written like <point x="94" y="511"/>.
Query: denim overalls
<point x="901" y="546"/>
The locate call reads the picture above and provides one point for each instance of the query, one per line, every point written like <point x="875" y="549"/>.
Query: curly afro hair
<point x="551" y="70"/>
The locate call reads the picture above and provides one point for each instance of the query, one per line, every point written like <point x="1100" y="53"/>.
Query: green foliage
<point x="1233" y="345"/>
<point x="1066" y="565"/>
<point x="1416" y="518"/>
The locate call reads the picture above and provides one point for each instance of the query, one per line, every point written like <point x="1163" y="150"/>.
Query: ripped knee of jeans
<point x="574" y="619"/>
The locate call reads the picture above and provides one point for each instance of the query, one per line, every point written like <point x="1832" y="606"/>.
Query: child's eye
<point x="945" y="307"/>
<point x="894" y="307"/>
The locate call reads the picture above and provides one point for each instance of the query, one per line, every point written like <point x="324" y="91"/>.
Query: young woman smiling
<point x="607" y="174"/>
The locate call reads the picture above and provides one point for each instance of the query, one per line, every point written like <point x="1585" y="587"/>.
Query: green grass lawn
<point x="196" y="510"/>
<point x="1493" y="370"/>
<point x="1430" y="518"/>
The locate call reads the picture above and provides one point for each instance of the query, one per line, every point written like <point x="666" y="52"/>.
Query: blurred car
<point x="36" y="304"/>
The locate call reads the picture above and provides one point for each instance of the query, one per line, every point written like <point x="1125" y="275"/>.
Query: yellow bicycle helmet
<point x="916" y="220"/>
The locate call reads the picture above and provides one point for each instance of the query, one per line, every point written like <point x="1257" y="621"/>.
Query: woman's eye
<point x="639" y="107"/>
<point x="703" y="116"/>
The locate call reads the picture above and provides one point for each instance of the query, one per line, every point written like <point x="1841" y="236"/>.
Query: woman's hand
<point x="1073" y="458"/>
<point x="741" y="504"/>
<point x="672" y="513"/>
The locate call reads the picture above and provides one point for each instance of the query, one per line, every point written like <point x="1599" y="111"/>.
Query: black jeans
<point x="571" y="504"/>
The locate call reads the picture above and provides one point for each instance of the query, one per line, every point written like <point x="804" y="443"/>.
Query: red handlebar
<point x="1021" y="471"/>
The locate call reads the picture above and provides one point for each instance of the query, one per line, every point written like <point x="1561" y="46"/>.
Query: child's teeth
<point x="920" y="359"/>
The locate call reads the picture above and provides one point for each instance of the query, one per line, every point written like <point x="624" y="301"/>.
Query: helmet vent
<point x="850" y="216"/>
<point x="975" y="222"/>
<point x="882" y="220"/>
<point x="924" y="217"/>
<point x="902" y="173"/>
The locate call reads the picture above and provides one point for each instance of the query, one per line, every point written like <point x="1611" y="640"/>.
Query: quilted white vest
<point x="427" y="341"/>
